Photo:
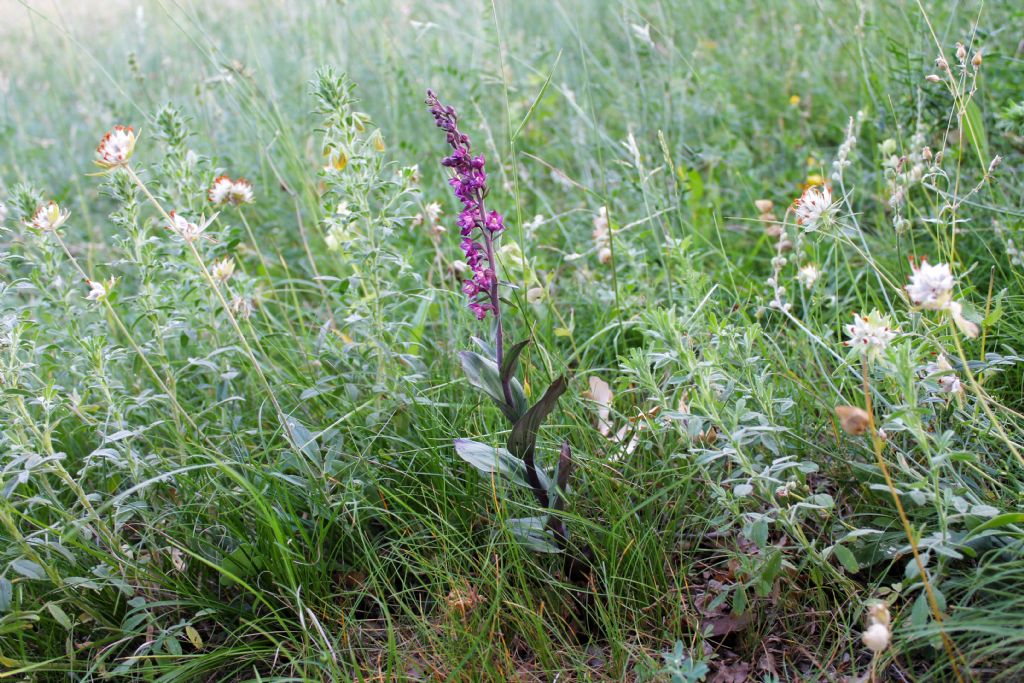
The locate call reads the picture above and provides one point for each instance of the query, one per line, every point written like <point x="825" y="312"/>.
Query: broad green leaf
<point x="532" y="532"/>
<point x="28" y="569"/>
<point x="59" y="615"/>
<point x="975" y="131"/>
<point x="523" y="439"/>
<point x="491" y="460"/>
<point x="304" y="440"/>
<point x="483" y="374"/>
<point x="846" y="558"/>
<point x="1002" y="520"/>
<point x="508" y="364"/>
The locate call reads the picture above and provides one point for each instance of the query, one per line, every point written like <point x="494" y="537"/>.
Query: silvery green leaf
<point x="483" y="373"/>
<point x="532" y="532"/>
<point x="490" y="460"/>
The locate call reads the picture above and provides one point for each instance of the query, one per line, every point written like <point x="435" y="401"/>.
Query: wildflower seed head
<point x="48" y="217"/>
<point x="941" y="64"/>
<point x="220" y="190"/>
<point x="961" y="52"/>
<point x="764" y="205"/>
<point x="604" y="256"/>
<point x="535" y="295"/>
<point x="976" y="60"/>
<point x="116" y="147"/>
<point x="933" y="78"/>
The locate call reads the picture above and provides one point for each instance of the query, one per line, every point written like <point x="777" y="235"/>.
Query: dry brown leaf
<point x="601" y="393"/>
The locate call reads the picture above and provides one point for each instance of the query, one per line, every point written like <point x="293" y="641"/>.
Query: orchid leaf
<point x="491" y="460"/>
<point x="523" y="439"/>
<point x="508" y="364"/>
<point x="483" y="373"/>
<point x="532" y="532"/>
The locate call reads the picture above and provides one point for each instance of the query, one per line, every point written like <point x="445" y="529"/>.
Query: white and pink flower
<point x="116" y="147"/>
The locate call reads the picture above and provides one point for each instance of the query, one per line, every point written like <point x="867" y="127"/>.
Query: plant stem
<point x="876" y="443"/>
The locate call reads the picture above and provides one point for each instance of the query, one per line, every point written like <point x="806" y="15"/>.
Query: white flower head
<point x="808" y="275"/>
<point x="870" y="334"/>
<point x="224" y="190"/>
<point x="223" y="269"/>
<point x="220" y="190"/>
<point x="187" y="230"/>
<point x="931" y="287"/>
<point x="3" y="213"/>
<point x="49" y="217"/>
<point x="814" y="208"/>
<point x="116" y="147"/>
<point x="877" y="637"/>
<point x="241" y="192"/>
<point x="99" y="290"/>
<point x="432" y="213"/>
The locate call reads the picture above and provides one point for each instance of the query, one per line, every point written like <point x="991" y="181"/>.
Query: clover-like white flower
<point x="99" y="290"/>
<point x="814" y="207"/>
<point x="808" y="275"/>
<point x="224" y="190"/>
<point x="49" y="217"/>
<point x="186" y="229"/>
<point x="870" y="333"/>
<point x="241" y="306"/>
<point x="223" y="269"/>
<point x="241" y="192"/>
<point x="432" y="213"/>
<point x="116" y="147"/>
<point x="220" y="190"/>
<point x="931" y="287"/>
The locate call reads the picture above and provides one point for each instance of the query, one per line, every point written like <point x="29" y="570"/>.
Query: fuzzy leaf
<point x="491" y="460"/>
<point x="483" y="374"/>
<point x="846" y="558"/>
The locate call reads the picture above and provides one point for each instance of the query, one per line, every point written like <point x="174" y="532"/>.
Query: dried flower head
<point x="241" y="306"/>
<point x="535" y="294"/>
<point x="187" y="230"/>
<point x="764" y="205"/>
<point x="49" y="217"/>
<point x="852" y="419"/>
<point x="116" y="147"/>
<point x="808" y="275"/>
<point x="942" y="372"/>
<point x="814" y="208"/>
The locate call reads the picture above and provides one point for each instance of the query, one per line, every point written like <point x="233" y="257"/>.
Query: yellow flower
<point x="794" y="100"/>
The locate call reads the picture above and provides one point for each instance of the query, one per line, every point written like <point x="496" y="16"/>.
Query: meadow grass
<point x="251" y="476"/>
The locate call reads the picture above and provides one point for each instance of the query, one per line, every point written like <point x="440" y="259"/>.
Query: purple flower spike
<point x="470" y="187"/>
